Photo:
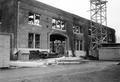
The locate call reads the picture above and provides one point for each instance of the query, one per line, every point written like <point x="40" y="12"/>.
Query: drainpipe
<point x="18" y="7"/>
<point x="18" y="2"/>
<point x="15" y="49"/>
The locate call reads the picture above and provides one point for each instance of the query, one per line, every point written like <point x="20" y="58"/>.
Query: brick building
<point x="37" y="26"/>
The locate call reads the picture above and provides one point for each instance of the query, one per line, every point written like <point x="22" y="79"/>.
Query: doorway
<point x="58" y="43"/>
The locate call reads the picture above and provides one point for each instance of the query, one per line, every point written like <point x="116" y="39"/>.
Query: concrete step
<point x="70" y="63"/>
<point x="70" y="60"/>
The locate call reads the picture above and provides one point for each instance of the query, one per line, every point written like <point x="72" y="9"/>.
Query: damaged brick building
<point x="37" y="26"/>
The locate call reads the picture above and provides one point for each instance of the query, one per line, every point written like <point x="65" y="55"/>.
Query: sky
<point x="82" y="7"/>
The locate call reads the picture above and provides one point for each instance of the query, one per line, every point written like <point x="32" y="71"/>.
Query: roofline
<point x="39" y="4"/>
<point x="47" y="7"/>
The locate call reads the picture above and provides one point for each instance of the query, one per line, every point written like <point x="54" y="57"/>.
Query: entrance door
<point x="58" y="44"/>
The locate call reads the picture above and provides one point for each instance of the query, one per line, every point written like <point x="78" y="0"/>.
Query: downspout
<point x="15" y="48"/>
<point x="18" y="6"/>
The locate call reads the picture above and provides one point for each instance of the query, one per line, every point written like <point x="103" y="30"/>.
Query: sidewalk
<point x="44" y="62"/>
<point x="57" y="61"/>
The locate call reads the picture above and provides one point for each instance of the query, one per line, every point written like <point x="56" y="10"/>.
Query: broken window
<point x="77" y="29"/>
<point x="37" y="19"/>
<point x="81" y="29"/>
<point x="62" y="25"/>
<point x="34" y="19"/>
<point x="81" y="44"/>
<point x="33" y="40"/>
<point x="78" y="44"/>
<point x="37" y="40"/>
<point x="58" y="24"/>
<point x="0" y="16"/>
<point x="74" y="29"/>
<point x="89" y="31"/>
<point x="53" y="23"/>
<point x="30" y="40"/>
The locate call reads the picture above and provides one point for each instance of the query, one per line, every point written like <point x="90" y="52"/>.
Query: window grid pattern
<point x="33" y="40"/>
<point x="77" y="29"/>
<point x="78" y="44"/>
<point x="58" y="24"/>
<point x="34" y="19"/>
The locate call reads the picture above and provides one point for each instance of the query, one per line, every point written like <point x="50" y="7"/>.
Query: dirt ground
<point x="89" y="72"/>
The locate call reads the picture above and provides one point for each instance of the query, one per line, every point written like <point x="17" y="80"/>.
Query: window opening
<point x="78" y="44"/>
<point x="34" y="19"/>
<point x="30" y="40"/>
<point x="33" y="40"/>
<point x="77" y="29"/>
<point x="58" y="24"/>
<point x="37" y="40"/>
<point x="81" y="41"/>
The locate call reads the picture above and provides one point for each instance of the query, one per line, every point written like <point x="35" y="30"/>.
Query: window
<point x="58" y="24"/>
<point x="0" y="21"/>
<point x="81" y="42"/>
<point x="37" y="41"/>
<point x="78" y="44"/>
<point x="77" y="29"/>
<point x="30" y="40"/>
<point x="89" y="31"/>
<point x="81" y="29"/>
<point x="0" y="16"/>
<point x="33" y="40"/>
<point x="34" y="19"/>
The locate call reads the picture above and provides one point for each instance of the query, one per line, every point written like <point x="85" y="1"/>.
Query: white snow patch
<point x="26" y="64"/>
<point x="40" y="63"/>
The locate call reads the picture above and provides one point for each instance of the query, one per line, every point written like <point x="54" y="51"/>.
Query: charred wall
<point x="16" y="22"/>
<point x="9" y="18"/>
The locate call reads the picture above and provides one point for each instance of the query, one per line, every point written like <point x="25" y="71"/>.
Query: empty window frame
<point x="30" y="40"/>
<point x="58" y="24"/>
<point x="81" y="45"/>
<point x="78" y="44"/>
<point x="37" y="40"/>
<point x="34" y="19"/>
<point x="33" y="40"/>
<point x="81" y="29"/>
<point x="0" y="16"/>
<point x="110" y="37"/>
<point x="89" y="31"/>
<point x="77" y="29"/>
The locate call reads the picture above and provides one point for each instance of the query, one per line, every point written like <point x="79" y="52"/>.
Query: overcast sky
<point x="81" y="7"/>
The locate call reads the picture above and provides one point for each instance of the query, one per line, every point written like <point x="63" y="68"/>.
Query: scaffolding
<point x="98" y="33"/>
